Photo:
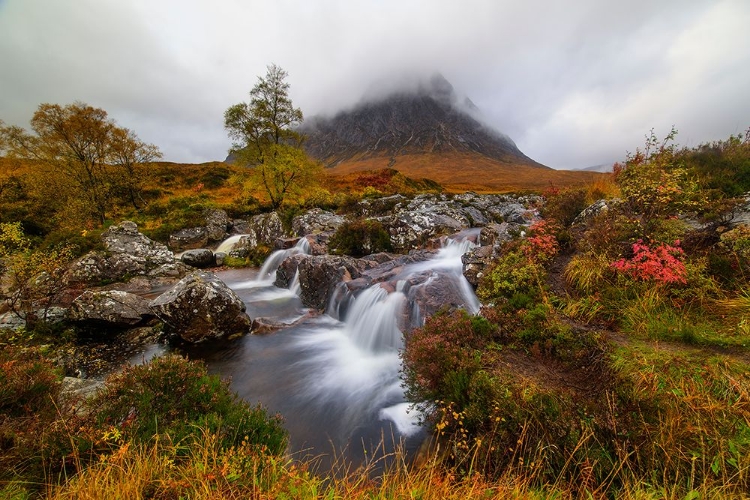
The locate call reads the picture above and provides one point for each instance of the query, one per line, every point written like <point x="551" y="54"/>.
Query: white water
<point x="272" y="263"/>
<point x="336" y="377"/>
<point x="228" y="244"/>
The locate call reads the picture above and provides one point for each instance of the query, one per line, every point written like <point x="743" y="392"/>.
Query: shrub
<point x="359" y="238"/>
<point x="563" y="206"/>
<point x="661" y="264"/>
<point x="29" y="386"/>
<point x="173" y="396"/>
<point x="441" y="358"/>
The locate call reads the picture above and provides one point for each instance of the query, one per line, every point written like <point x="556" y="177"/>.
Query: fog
<point x="574" y="83"/>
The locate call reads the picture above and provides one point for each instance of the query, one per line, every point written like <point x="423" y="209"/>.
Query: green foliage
<point x="359" y="238"/>
<point x="441" y="358"/>
<point x="174" y="397"/>
<point x="512" y="275"/>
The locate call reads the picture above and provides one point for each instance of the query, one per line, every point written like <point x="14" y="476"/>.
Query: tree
<point x="85" y="150"/>
<point x="264" y="137"/>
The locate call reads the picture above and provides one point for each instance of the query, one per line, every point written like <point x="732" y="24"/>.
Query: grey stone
<point x="201" y="307"/>
<point x="199" y="257"/>
<point x="115" y="308"/>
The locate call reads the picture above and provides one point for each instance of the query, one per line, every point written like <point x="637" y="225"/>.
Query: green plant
<point x="172" y="396"/>
<point x="360" y="237"/>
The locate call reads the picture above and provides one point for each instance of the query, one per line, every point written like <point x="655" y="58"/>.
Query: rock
<point x="267" y="228"/>
<point x="316" y="221"/>
<point x="113" y="308"/>
<point x="52" y="315"/>
<point x="75" y="391"/>
<point x="219" y="258"/>
<point x="200" y="257"/>
<point x="319" y="275"/>
<point x="125" y="239"/>
<point x="129" y="253"/>
<point x="475" y="264"/>
<point x="593" y="210"/>
<point x="186" y="239"/>
<point x="494" y="235"/>
<point x="200" y="307"/>
<point x="217" y="224"/>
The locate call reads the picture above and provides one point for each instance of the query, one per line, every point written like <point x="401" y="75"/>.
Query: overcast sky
<point x="574" y="83"/>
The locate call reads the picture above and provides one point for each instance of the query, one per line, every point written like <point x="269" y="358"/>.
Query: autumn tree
<point x="264" y="137"/>
<point x="85" y="150"/>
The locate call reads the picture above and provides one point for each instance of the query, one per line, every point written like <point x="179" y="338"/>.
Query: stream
<point x="334" y="377"/>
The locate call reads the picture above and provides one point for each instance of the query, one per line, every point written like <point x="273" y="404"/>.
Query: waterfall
<point x="271" y="265"/>
<point x="336" y="376"/>
<point x="228" y="244"/>
<point x="372" y="320"/>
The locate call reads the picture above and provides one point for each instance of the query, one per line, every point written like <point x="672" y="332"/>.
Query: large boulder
<point x="125" y="239"/>
<point x="200" y="257"/>
<point x="129" y="254"/>
<point x="200" y="307"/>
<point x="111" y="308"/>
<point x="319" y="275"/>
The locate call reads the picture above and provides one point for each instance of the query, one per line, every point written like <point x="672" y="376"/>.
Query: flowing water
<point x="334" y="377"/>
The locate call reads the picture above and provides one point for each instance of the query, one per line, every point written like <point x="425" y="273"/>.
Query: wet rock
<point x="319" y="275"/>
<point x="316" y="221"/>
<point x="200" y="307"/>
<point x="186" y="239"/>
<point x="113" y="308"/>
<point x="200" y="258"/>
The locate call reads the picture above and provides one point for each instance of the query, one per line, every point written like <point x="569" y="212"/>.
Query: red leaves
<point x="661" y="264"/>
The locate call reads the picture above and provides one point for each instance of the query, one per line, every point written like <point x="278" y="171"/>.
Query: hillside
<point x="428" y="132"/>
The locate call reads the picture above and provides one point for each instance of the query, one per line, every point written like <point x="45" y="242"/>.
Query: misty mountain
<point x="428" y="119"/>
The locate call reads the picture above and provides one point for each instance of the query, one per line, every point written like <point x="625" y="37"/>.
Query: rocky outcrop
<point x="316" y="221"/>
<point x="109" y="308"/>
<point x="319" y="275"/>
<point x="200" y="307"/>
<point x="200" y="258"/>
<point x="129" y="253"/>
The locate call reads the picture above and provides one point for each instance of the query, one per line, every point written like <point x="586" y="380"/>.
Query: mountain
<point x="427" y="132"/>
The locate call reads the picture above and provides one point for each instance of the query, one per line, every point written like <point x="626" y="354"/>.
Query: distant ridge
<point x="393" y="130"/>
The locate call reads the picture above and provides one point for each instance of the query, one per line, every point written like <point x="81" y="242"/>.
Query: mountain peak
<point x="410" y="121"/>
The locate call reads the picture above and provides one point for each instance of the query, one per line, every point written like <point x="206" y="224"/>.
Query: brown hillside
<point x="469" y="172"/>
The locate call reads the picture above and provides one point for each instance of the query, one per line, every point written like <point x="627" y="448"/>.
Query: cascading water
<point x="272" y="263"/>
<point x="228" y="244"/>
<point x="336" y="377"/>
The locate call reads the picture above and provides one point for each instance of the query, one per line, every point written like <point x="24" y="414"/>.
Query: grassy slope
<point x="464" y="172"/>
